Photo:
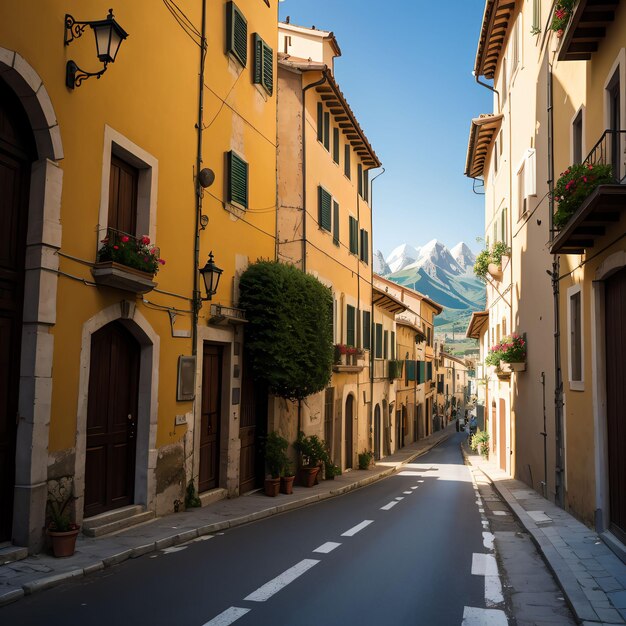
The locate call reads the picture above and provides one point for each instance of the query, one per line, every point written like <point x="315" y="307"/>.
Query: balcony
<point x="586" y="28"/>
<point x="348" y="359"/>
<point x="603" y="206"/>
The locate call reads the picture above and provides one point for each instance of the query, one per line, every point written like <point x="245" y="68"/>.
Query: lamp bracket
<point x="73" y="28"/>
<point x="74" y="76"/>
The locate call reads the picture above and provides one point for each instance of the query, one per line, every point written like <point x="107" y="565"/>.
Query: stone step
<point x="10" y="553"/>
<point x="214" y="495"/>
<point x="118" y="519"/>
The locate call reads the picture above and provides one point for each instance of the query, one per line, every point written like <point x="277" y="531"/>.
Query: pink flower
<point x="153" y="251"/>
<point x="585" y="178"/>
<point x="116" y="247"/>
<point x="162" y="261"/>
<point x="145" y="240"/>
<point x="124" y="239"/>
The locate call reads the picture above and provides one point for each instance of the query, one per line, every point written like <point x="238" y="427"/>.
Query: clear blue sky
<point x="406" y="70"/>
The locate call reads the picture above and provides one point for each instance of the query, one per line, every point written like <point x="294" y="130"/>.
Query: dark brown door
<point x="252" y="426"/>
<point x="348" y="435"/>
<point x="616" y="400"/>
<point x="16" y="155"/>
<point x="210" y="418"/>
<point x="111" y="420"/>
<point x="377" y="433"/>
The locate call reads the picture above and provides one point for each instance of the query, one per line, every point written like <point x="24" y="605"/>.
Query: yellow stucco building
<point x="325" y="229"/>
<point x="104" y="400"/>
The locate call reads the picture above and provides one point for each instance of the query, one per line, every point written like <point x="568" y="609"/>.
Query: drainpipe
<point x="304" y="90"/>
<point x="197" y="297"/>
<point x="372" y="305"/>
<point x="554" y="275"/>
<point x="487" y="86"/>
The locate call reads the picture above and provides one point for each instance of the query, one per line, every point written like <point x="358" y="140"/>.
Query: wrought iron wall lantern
<point x="211" y="275"/>
<point x="109" y="36"/>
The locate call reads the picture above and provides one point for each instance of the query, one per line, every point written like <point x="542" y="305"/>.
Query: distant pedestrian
<point x="473" y="425"/>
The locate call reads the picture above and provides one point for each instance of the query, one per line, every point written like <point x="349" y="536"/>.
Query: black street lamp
<point x="109" y="36"/>
<point x="211" y="275"/>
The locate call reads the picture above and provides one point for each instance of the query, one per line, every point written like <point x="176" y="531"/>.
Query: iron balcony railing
<point x="610" y="150"/>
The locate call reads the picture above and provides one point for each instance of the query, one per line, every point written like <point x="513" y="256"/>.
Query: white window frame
<point x="575" y="385"/>
<point x="147" y="185"/>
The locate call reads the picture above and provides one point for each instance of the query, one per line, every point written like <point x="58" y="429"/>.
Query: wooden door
<point x="16" y="155"/>
<point x="377" y="432"/>
<point x="494" y="428"/>
<point x="210" y="418"/>
<point x="502" y="435"/>
<point x="123" y="197"/>
<point x="252" y="426"/>
<point x="348" y="432"/>
<point x="615" y="328"/>
<point x="111" y="420"/>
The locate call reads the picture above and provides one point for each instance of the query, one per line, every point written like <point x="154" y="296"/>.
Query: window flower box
<point x="127" y="262"/>
<point x="118" y="276"/>
<point x="509" y="355"/>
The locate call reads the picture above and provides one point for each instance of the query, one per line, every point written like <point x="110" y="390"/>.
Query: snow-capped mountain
<point x="444" y="275"/>
<point x="463" y="255"/>
<point x="380" y="265"/>
<point x="402" y="256"/>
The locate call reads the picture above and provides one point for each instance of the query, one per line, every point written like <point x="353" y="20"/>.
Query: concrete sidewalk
<point x="42" y="571"/>
<point x="591" y="576"/>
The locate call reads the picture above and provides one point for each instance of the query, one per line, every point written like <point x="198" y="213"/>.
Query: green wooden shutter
<point x="350" y="325"/>
<point x="366" y="186"/>
<point x="379" y="341"/>
<point x="237" y="180"/>
<point x="393" y="345"/>
<point x="236" y="33"/>
<point x="366" y="330"/>
<point x="335" y="223"/>
<point x="365" y="246"/>
<point x="346" y="161"/>
<point x="429" y="370"/>
<point x="421" y="372"/>
<point x="386" y="344"/>
<point x="320" y="122"/>
<point x="354" y="236"/>
<point x="336" y="145"/>
<point x="327" y="130"/>
<point x="410" y="370"/>
<point x="359" y="173"/>
<point x="324" y="208"/>
<point x="263" y="64"/>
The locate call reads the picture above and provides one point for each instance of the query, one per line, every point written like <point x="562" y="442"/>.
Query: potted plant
<point x="480" y="443"/>
<point x="562" y="12"/>
<point x="286" y="479"/>
<point x="61" y="528"/>
<point x="573" y="187"/>
<point x="331" y="470"/>
<point x="312" y="451"/>
<point x="275" y="460"/>
<point x="481" y="264"/>
<point x="508" y="355"/>
<point x="127" y="262"/>
<point x="365" y="459"/>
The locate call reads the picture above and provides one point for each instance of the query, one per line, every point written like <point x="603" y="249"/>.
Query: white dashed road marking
<point x="483" y="617"/>
<point x="327" y="547"/>
<point x="407" y="493"/>
<point x="355" y="529"/>
<point x="228" y="616"/>
<point x="493" y="591"/>
<point x="400" y="498"/>
<point x="484" y="564"/>
<point x="274" y="586"/>
<point x="388" y="506"/>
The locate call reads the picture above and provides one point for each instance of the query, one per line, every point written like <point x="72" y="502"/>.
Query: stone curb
<point x="576" y="599"/>
<point x="47" y="582"/>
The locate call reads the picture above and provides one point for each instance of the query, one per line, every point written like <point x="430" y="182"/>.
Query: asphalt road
<point x="354" y="559"/>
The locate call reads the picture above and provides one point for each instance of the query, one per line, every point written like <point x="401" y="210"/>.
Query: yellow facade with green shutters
<point x="126" y="144"/>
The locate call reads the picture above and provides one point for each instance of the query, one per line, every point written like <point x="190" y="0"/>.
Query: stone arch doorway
<point x="25" y="475"/>
<point x="348" y="435"/>
<point x="17" y="153"/>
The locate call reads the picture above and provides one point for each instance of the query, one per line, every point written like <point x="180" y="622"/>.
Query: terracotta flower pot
<point x="63" y="543"/>
<point x="286" y="484"/>
<point x="272" y="487"/>
<point x="308" y="476"/>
